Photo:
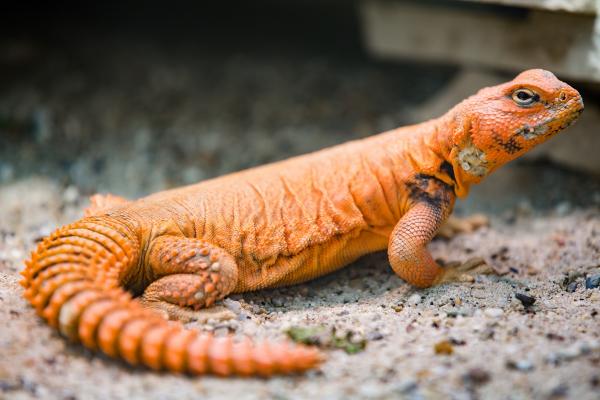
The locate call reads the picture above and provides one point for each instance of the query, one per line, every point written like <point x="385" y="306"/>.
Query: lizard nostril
<point x="562" y="96"/>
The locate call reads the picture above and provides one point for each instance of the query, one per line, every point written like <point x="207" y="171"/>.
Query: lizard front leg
<point x="192" y="274"/>
<point x="407" y="251"/>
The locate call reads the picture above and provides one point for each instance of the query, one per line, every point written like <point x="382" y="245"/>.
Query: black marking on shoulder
<point x="511" y="146"/>
<point x="447" y="169"/>
<point x="429" y="189"/>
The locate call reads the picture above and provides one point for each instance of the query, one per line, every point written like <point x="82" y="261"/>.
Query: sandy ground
<point x="132" y="117"/>
<point x="500" y="349"/>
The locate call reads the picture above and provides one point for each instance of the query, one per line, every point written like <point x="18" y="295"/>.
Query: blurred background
<point x="134" y="97"/>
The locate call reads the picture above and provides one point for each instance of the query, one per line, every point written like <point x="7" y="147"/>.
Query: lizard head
<point x="501" y="123"/>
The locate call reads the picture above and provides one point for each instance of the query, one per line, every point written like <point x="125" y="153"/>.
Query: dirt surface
<point x="500" y="349"/>
<point x="129" y="114"/>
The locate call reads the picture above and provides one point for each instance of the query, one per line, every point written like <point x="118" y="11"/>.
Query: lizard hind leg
<point x="193" y="274"/>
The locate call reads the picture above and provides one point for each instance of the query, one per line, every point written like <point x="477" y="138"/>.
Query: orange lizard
<point x="280" y="224"/>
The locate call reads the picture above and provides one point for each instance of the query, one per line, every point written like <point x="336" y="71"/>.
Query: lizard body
<point x="277" y="225"/>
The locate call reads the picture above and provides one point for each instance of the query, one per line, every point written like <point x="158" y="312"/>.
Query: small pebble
<point x="477" y="376"/>
<point x="572" y="287"/>
<point x="520" y="365"/>
<point x="374" y="336"/>
<point x="552" y="358"/>
<point x="570" y="277"/>
<point x="459" y="312"/>
<point x="277" y="302"/>
<point x="398" y="307"/>
<point x="488" y="333"/>
<point x="570" y="353"/>
<point x="221" y="332"/>
<point x="493" y="312"/>
<point x="414" y="299"/>
<point x="406" y="386"/>
<point x="233" y="305"/>
<point x="559" y="392"/>
<point x="443" y="347"/>
<point x="555" y="336"/>
<point x="526" y="300"/>
<point x="592" y="281"/>
<point x="370" y="391"/>
<point x="591" y="346"/>
<point x="257" y="310"/>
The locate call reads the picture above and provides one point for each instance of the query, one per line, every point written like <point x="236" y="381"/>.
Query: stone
<point x="414" y="299"/>
<point x="592" y="281"/>
<point x="484" y="36"/>
<point x="493" y="312"/>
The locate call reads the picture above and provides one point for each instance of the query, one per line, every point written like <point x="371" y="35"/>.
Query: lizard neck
<point x="434" y="148"/>
<point x="441" y="148"/>
<point x="452" y="140"/>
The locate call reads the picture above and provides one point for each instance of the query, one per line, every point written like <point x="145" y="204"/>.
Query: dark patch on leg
<point x="429" y="189"/>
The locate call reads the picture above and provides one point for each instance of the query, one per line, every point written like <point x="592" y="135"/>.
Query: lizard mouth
<point x="551" y="125"/>
<point x="572" y="119"/>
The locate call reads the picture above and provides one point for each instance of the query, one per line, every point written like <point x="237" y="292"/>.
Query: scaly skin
<point x="277" y="225"/>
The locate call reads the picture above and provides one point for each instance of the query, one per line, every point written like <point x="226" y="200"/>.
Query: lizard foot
<point x="193" y="276"/>
<point x="464" y="272"/>
<point x="455" y="225"/>
<point x="183" y="297"/>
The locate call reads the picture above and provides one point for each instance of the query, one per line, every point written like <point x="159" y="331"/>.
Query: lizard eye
<point x="525" y="97"/>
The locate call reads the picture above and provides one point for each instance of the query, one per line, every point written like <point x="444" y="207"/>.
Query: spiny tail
<point x="73" y="281"/>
